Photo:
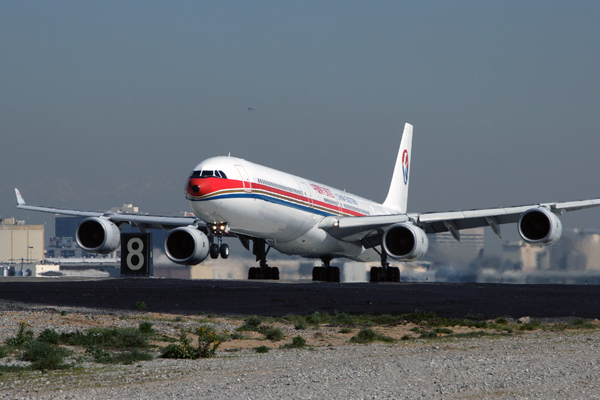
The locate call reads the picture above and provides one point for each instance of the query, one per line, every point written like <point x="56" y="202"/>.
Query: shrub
<point x="99" y="354"/>
<point x="273" y="334"/>
<point x="366" y="335"/>
<point x="530" y="326"/>
<point x="129" y="357"/>
<point x="208" y="342"/>
<point x="251" y="324"/>
<point x="236" y="336"/>
<point x="44" y="355"/>
<point x="140" y="305"/>
<point x="385" y="319"/>
<point x="343" y="319"/>
<point x="428" y="335"/>
<point x="3" y="351"/>
<point x="146" y="328"/>
<point x="63" y="313"/>
<point x="406" y="337"/>
<point x="345" y="330"/>
<point x="300" y="325"/>
<point x="501" y="321"/>
<point x="298" y="342"/>
<point x="261" y="349"/>
<point x="116" y="338"/>
<point x="22" y="338"/>
<point x="49" y="336"/>
<point x="445" y="331"/>
<point x="317" y="318"/>
<point x="181" y="350"/>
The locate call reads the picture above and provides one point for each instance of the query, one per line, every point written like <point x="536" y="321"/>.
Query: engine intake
<point x="186" y="245"/>
<point x="540" y="226"/>
<point x="98" y="235"/>
<point x="405" y="242"/>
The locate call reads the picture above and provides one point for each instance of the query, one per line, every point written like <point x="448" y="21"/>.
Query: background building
<point x="20" y="242"/>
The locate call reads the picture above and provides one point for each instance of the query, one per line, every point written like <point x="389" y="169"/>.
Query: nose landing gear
<point x="218" y="248"/>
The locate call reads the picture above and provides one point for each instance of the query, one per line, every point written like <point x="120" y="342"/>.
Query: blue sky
<point x="103" y="103"/>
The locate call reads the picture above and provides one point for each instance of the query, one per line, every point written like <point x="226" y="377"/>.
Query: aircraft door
<point x="306" y="189"/>
<point x="245" y="178"/>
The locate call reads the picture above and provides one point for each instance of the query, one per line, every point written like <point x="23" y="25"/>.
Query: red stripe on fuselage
<point x="208" y="186"/>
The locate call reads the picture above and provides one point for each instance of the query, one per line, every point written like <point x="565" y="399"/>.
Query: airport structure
<point x="20" y="242"/>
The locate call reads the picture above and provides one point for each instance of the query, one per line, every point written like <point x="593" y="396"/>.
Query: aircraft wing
<point x="142" y="221"/>
<point x="369" y="229"/>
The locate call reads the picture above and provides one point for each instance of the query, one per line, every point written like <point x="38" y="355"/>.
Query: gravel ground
<point x="537" y="364"/>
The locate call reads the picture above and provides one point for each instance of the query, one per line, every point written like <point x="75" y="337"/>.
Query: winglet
<point x="20" y="200"/>
<point x="397" y="197"/>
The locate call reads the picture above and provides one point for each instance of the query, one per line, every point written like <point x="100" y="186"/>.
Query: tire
<point x="224" y="251"/>
<point x="214" y="251"/>
<point x="252" y="273"/>
<point x="389" y="274"/>
<point x="374" y="275"/>
<point x="335" y="275"/>
<point x="396" y="274"/>
<point x="274" y="273"/>
<point x="318" y="274"/>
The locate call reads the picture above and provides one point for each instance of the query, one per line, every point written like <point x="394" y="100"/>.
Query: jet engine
<point x="187" y="245"/>
<point x="540" y="226"/>
<point x="98" y="235"/>
<point x="405" y="242"/>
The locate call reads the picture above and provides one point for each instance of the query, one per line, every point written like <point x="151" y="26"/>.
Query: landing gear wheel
<point x="393" y="274"/>
<point x="332" y="274"/>
<point x="376" y="273"/>
<point x="336" y="274"/>
<point x="273" y="273"/>
<point x="252" y="272"/>
<point x="318" y="274"/>
<point x="214" y="251"/>
<point x="326" y="274"/>
<point x="224" y="250"/>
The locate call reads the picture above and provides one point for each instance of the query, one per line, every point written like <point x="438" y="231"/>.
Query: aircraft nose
<point x="197" y="187"/>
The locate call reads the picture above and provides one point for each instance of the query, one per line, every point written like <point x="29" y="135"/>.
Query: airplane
<point x="266" y="208"/>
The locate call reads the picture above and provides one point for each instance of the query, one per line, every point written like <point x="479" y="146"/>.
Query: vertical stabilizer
<point x="398" y="194"/>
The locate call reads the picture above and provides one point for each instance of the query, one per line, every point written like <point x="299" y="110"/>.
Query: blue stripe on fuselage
<point x="267" y="199"/>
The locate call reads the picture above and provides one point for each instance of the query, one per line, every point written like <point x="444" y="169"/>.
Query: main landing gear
<point x="385" y="273"/>
<point x="326" y="273"/>
<point x="260" y="250"/>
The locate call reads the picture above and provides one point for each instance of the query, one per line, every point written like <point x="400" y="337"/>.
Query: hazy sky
<point x="103" y="103"/>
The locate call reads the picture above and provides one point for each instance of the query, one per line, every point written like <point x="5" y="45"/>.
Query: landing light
<point x="336" y="223"/>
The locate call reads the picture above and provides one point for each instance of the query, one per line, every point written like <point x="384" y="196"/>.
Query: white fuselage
<point x="280" y="208"/>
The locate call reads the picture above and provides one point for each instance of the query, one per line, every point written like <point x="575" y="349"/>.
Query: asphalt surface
<point x="271" y="298"/>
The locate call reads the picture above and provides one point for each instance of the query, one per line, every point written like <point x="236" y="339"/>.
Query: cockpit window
<point x="208" y="174"/>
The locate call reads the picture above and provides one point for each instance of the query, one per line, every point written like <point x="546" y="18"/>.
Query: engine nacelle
<point x="98" y="235"/>
<point x="187" y="245"/>
<point x="540" y="226"/>
<point x="405" y="242"/>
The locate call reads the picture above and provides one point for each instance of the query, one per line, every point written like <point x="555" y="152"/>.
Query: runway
<point x="270" y="298"/>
